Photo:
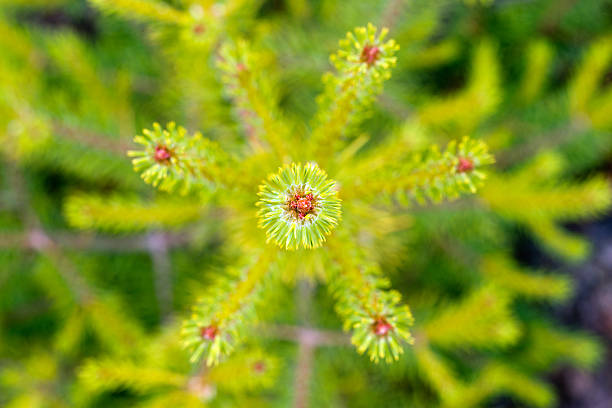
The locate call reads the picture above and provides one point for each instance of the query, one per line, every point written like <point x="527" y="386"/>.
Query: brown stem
<point x="306" y="347"/>
<point x="303" y="374"/>
<point x="554" y="138"/>
<point x="38" y="240"/>
<point x="319" y="338"/>
<point x="89" y="242"/>
<point x="391" y="13"/>
<point x="91" y="138"/>
<point x="554" y="14"/>
<point x="162" y="268"/>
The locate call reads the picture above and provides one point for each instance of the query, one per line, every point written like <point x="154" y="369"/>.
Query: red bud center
<point x="302" y="204"/>
<point x="162" y="154"/>
<point x="259" y="367"/>
<point x="209" y="332"/>
<point x="198" y="29"/>
<point x="465" y="165"/>
<point x="370" y="54"/>
<point x="381" y="327"/>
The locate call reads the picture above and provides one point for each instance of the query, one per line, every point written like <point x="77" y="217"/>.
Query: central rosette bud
<point x="299" y="206"/>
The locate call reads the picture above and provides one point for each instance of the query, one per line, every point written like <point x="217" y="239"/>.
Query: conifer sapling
<point x="299" y="206"/>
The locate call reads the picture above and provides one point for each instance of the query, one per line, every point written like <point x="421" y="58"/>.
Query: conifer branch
<point x="585" y="82"/>
<point x="439" y="374"/>
<point x="547" y="346"/>
<point x="179" y="398"/>
<point x="128" y="213"/>
<point x="537" y="67"/>
<point x="482" y="320"/>
<point x="172" y="160"/>
<point x="503" y="272"/>
<point x="432" y="175"/>
<point x="108" y="101"/>
<point x="558" y="240"/>
<point x="549" y="200"/>
<point x="254" y="97"/>
<point x="221" y="316"/>
<point x="363" y="63"/>
<point x="80" y="161"/>
<point x="480" y="98"/>
<point x="496" y="378"/>
<point x="143" y="10"/>
<point x="259" y="370"/>
<point x="378" y="321"/>
<point x="118" y="333"/>
<point x="599" y="111"/>
<point x="171" y="381"/>
<point x="109" y="375"/>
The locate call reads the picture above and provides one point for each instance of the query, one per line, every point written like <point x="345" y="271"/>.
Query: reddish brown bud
<point x="199" y="29"/>
<point x="259" y="367"/>
<point x="162" y="154"/>
<point x="381" y="327"/>
<point x="209" y="332"/>
<point x="304" y="205"/>
<point x="465" y="164"/>
<point x="370" y="54"/>
<point x="301" y="204"/>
